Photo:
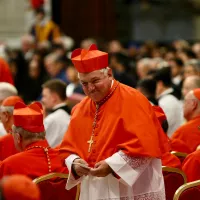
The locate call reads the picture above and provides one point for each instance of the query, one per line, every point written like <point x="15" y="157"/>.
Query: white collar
<point x="59" y="105"/>
<point x="167" y="91"/>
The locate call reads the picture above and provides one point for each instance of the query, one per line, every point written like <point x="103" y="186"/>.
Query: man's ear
<point x="194" y="104"/>
<point x="18" y="138"/>
<point x="7" y="116"/>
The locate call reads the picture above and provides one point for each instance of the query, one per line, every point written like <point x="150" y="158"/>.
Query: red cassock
<point x="5" y="74"/>
<point x="187" y="135"/>
<point x="7" y="146"/>
<point x="191" y="166"/>
<point x="32" y="162"/>
<point x="170" y="160"/>
<point x="122" y="124"/>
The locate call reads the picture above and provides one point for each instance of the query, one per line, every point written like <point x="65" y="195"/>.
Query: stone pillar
<point x="12" y="20"/>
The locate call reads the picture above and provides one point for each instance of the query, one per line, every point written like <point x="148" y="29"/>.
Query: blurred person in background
<point x="58" y="117"/>
<point x="18" y="187"/>
<point x="196" y="49"/>
<point x="74" y="86"/>
<point x="34" y="81"/>
<point x="186" y="55"/>
<point x="148" y="88"/>
<point x="55" y="67"/>
<point x="190" y="83"/>
<point x="27" y="46"/>
<point x="7" y="146"/>
<point x="86" y="43"/>
<point x="170" y="54"/>
<point x="44" y="29"/>
<point x="192" y="67"/>
<point x="121" y="69"/>
<point x="143" y="67"/>
<point x="167" y="99"/>
<point x="177" y="71"/>
<point x="6" y="90"/>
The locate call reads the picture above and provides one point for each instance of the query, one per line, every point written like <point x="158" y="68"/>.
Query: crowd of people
<point x="107" y="114"/>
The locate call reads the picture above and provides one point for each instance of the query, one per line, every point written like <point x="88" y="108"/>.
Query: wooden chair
<point x="173" y="178"/>
<point x="52" y="186"/>
<point x="188" y="191"/>
<point x="180" y="155"/>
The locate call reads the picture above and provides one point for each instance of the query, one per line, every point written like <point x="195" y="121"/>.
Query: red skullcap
<point x="11" y="101"/>
<point x="20" y="187"/>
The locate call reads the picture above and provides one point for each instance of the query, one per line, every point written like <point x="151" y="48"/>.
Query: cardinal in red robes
<point x="36" y="158"/>
<point x="189" y="134"/>
<point x="113" y="132"/>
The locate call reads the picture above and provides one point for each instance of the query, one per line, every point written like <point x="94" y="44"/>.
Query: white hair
<point x="8" y="109"/>
<point x="27" y="134"/>
<point x="104" y="71"/>
<point x="7" y="90"/>
<point x="195" y="63"/>
<point x="145" y="61"/>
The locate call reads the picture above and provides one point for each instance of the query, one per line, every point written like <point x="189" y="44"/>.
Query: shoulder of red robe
<point x="88" y="60"/>
<point x="159" y="113"/>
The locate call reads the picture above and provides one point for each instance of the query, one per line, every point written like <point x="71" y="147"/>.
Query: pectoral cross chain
<point x="90" y="142"/>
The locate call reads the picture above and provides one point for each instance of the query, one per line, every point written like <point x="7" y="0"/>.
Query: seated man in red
<point x="36" y="157"/>
<point x="191" y="166"/>
<point x="7" y="146"/>
<point x="189" y="133"/>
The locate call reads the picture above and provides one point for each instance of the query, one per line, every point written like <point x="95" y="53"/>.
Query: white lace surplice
<point x="140" y="179"/>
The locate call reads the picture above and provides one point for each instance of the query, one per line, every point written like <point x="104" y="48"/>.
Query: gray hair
<point x="7" y="90"/>
<point x="194" y="63"/>
<point x="8" y="109"/>
<point x="27" y="135"/>
<point x="104" y="71"/>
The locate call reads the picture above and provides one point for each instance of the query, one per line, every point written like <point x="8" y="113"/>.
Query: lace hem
<point x="148" y="196"/>
<point x="135" y="162"/>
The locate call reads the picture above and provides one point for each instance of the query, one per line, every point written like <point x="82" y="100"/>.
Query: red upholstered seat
<point x="173" y="179"/>
<point x="188" y="191"/>
<point x="52" y="187"/>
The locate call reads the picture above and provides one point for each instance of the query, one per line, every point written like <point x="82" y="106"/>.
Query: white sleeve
<point x="71" y="182"/>
<point x="128" y="168"/>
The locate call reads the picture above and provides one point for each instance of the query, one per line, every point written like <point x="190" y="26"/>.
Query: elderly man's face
<point x="4" y="116"/>
<point x="96" y="84"/>
<point x="189" y="105"/>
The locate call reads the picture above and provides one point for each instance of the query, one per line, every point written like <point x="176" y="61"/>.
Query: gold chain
<point x="98" y="104"/>
<point x="46" y="151"/>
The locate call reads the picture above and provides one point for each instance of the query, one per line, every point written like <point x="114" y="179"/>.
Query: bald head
<point x="190" y="83"/>
<point x="191" y="107"/>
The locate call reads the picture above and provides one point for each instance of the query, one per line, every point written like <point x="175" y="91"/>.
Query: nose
<point x="90" y="87"/>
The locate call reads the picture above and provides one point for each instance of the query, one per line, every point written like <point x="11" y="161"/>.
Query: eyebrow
<point x="94" y="78"/>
